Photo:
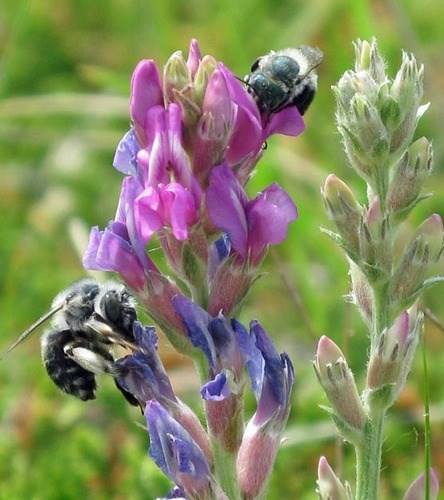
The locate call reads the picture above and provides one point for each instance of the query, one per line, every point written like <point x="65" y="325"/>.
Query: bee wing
<point x="33" y="327"/>
<point x="102" y="328"/>
<point x="313" y="56"/>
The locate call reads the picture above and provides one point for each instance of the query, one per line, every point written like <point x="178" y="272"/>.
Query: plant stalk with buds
<point x="377" y="118"/>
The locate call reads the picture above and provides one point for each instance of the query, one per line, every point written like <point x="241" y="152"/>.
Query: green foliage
<point x="64" y="85"/>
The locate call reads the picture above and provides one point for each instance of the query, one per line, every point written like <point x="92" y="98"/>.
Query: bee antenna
<point x="33" y="327"/>
<point x="242" y="81"/>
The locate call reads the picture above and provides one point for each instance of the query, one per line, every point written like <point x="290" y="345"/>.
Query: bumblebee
<point x="285" y="78"/>
<point x="87" y="319"/>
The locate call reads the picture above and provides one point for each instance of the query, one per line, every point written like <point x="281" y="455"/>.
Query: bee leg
<point x="67" y="375"/>
<point x="98" y="363"/>
<point x="89" y="360"/>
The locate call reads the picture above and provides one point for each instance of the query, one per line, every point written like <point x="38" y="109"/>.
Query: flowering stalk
<point x="377" y="118"/>
<point x="195" y="139"/>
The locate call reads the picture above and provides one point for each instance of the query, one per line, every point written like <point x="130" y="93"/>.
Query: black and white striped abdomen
<point x="65" y="373"/>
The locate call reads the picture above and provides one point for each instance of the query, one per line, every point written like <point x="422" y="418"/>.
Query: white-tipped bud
<point x="423" y="252"/>
<point x="377" y="117"/>
<point x="176" y="76"/>
<point x="376" y="244"/>
<point x="339" y="385"/>
<point x="361" y="293"/>
<point x="417" y="491"/>
<point x="407" y="90"/>
<point x="343" y="208"/>
<point x="410" y="174"/>
<point x="368" y="58"/>
<point x="391" y="359"/>
<point x="329" y="485"/>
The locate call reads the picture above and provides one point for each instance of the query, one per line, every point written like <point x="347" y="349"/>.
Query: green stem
<point x="427" y="437"/>
<point x="369" y="450"/>
<point x="381" y="312"/>
<point x="225" y="470"/>
<point x="382" y="185"/>
<point x="224" y="446"/>
<point x="368" y="459"/>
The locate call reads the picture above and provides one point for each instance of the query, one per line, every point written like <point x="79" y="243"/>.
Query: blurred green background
<point x="65" y="67"/>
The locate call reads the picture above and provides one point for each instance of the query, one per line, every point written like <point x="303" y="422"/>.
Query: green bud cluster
<point x="377" y="117"/>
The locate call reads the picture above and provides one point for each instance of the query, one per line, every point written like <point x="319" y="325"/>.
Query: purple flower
<point x="176" y="453"/>
<point x="119" y="247"/>
<point x="146" y="92"/>
<point x="164" y="159"/>
<point x="250" y="130"/>
<point x="247" y="136"/>
<point x="194" y="57"/>
<point x="176" y="492"/>
<point x="216" y="338"/>
<point x="144" y="376"/>
<point x="125" y="158"/>
<point x="272" y="381"/>
<point x="165" y="206"/>
<point x="143" y="373"/>
<point x="250" y="225"/>
<point x="214" y="127"/>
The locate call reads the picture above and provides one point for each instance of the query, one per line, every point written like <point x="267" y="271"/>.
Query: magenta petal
<point x="217" y="102"/>
<point x="147" y="215"/>
<point x="268" y="217"/>
<point x="182" y="211"/>
<point x="247" y="136"/>
<point x="194" y="57"/>
<point x="287" y="122"/>
<point x="107" y="251"/>
<point x="225" y="201"/>
<point x="146" y="92"/>
<point x="275" y="195"/>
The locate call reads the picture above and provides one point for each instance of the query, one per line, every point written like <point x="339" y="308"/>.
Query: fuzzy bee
<point x="284" y="78"/>
<point x="87" y="319"/>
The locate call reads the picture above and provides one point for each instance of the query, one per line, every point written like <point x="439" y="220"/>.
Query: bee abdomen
<point x="65" y="373"/>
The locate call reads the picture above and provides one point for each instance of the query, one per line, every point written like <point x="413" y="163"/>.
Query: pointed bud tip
<point x="416" y="489"/>
<point x="335" y="189"/>
<point x="323" y="466"/>
<point x="328" y="351"/>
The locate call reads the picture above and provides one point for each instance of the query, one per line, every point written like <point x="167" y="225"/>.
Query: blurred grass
<point x="64" y="79"/>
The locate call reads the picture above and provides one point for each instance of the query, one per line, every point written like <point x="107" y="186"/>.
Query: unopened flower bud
<point x="366" y="121"/>
<point x="362" y="55"/>
<point x="391" y="360"/>
<point x="176" y="75"/>
<point x="362" y="293"/>
<point x="157" y="300"/>
<point x="407" y="90"/>
<point x="339" y="385"/>
<point x="329" y="485"/>
<point x="146" y="92"/>
<point x="344" y="210"/>
<point x="425" y="250"/>
<point x="411" y="172"/>
<point x="431" y="231"/>
<point x="206" y="68"/>
<point x="229" y="288"/>
<point x="214" y="127"/>
<point x="375" y="245"/>
<point x="194" y="57"/>
<point x="262" y="436"/>
<point x="368" y="58"/>
<point x="417" y="491"/>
